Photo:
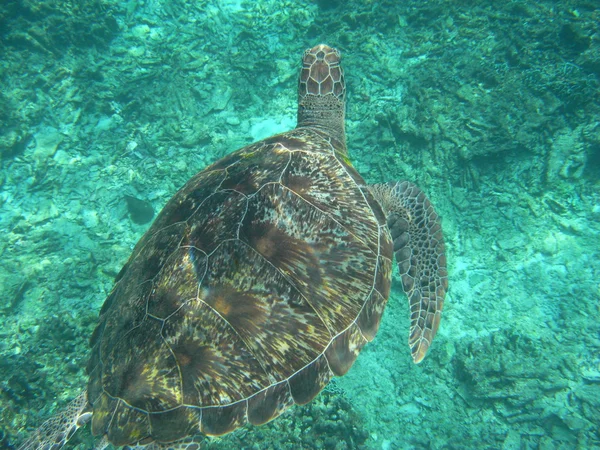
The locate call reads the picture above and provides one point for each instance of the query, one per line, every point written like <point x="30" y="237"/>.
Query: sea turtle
<point x="260" y="280"/>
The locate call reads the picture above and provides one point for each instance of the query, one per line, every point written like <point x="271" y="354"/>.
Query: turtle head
<point x="322" y="92"/>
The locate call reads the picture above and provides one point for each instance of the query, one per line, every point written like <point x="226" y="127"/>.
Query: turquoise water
<point x="493" y="109"/>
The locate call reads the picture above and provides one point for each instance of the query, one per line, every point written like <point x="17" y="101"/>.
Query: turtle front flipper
<point x="56" y="431"/>
<point x="419" y="248"/>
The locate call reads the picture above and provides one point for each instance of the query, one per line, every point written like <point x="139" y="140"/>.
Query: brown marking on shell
<point x="169" y="426"/>
<point x="175" y="284"/>
<point x="307" y="383"/>
<point x="323" y="182"/>
<point x="94" y="383"/>
<point x="374" y="205"/>
<point x="331" y="268"/>
<point x="142" y="370"/>
<point x="301" y="184"/>
<point x="180" y="208"/>
<point x="370" y="316"/>
<point x="264" y="309"/>
<point x="263" y="164"/>
<point x="127" y="301"/>
<point x="246" y="311"/>
<point x="128" y="425"/>
<point x="344" y="349"/>
<point x="109" y="300"/>
<point x="265" y="231"/>
<point x="95" y="356"/>
<point x="287" y="141"/>
<point x="217" y="421"/>
<point x="153" y="257"/>
<point x="232" y="159"/>
<point x="215" y="365"/>
<point x="123" y="316"/>
<point x="309" y="142"/>
<point x="383" y="280"/>
<point x="95" y="370"/>
<point x="207" y="231"/>
<point x="269" y="403"/>
<point x="104" y="407"/>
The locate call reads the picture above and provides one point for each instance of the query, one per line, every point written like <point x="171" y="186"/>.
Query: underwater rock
<point x="574" y="38"/>
<point x="328" y="4"/>
<point x="140" y="211"/>
<point x="90" y="218"/>
<point x="567" y="157"/>
<point x="590" y="60"/>
<point x="47" y="141"/>
<point x="12" y="143"/>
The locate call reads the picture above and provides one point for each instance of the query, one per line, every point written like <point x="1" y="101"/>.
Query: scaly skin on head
<point x="322" y="92"/>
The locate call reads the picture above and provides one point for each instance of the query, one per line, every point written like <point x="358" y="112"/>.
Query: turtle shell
<point x="262" y="278"/>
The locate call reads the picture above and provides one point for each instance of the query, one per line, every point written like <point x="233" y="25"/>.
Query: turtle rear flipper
<point x="56" y="431"/>
<point x="420" y="254"/>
